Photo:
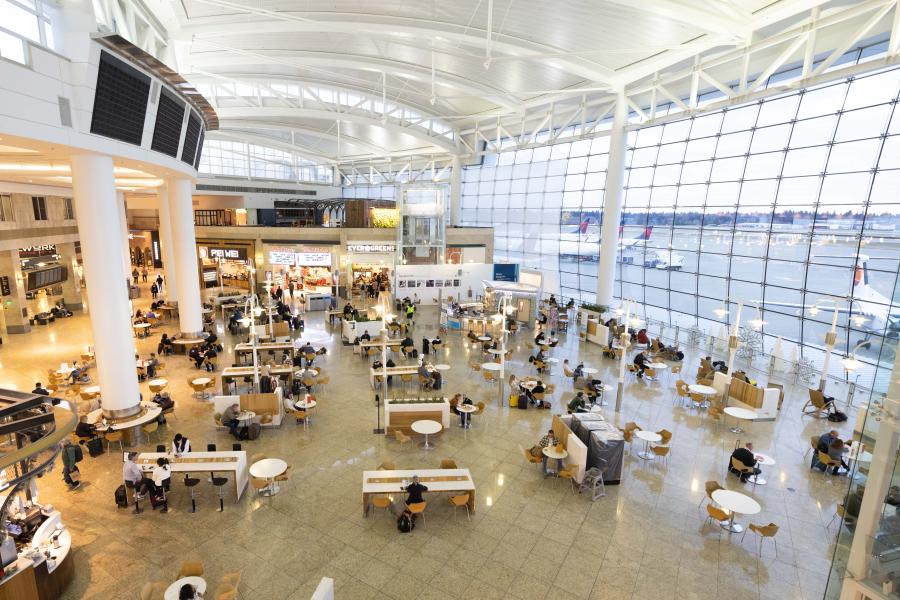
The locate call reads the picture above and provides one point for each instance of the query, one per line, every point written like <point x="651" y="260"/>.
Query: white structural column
<point x="123" y="228"/>
<point x="71" y="287"/>
<point x="878" y="483"/>
<point x="96" y="210"/>
<point x="612" y="204"/>
<point x="181" y="217"/>
<point x="170" y="285"/>
<point x="455" y="190"/>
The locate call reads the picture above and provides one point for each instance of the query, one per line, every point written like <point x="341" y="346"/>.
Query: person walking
<point x="71" y="456"/>
<point x="144" y="274"/>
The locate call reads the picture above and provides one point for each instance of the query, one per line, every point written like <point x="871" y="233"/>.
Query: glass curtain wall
<point x="782" y="204"/>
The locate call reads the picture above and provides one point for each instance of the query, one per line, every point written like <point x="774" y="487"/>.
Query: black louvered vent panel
<point x="199" y="149"/>
<point x="120" y="102"/>
<point x="190" y="139"/>
<point x="169" y="117"/>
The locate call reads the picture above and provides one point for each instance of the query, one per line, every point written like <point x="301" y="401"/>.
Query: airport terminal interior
<point x="483" y="299"/>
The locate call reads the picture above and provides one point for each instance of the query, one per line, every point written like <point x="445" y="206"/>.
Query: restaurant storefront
<point x="225" y="263"/>
<point x="309" y="268"/>
<point x="367" y="260"/>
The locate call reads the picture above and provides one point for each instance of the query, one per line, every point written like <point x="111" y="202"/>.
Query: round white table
<point x="495" y="351"/>
<point x="552" y="453"/>
<point x="246" y="415"/>
<point x="466" y="409"/>
<point x="762" y="460"/>
<point x="704" y="390"/>
<point x="442" y="367"/>
<point x="484" y="338"/>
<point x="426" y="427"/>
<point x="141" y="328"/>
<point x="173" y="590"/>
<point x="94" y="389"/>
<point x="648" y="437"/>
<point x="551" y="361"/>
<point x="268" y="468"/>
<point x="65" y="371"/>
<point x="860" y="457"/>
<point x="159" y="382"/>
<point x="735" y="502"/>
<point x="201" y="381"/>
<point x="589" y="371"/>
<point x="741" y="414"/>
<point x="491" y="366"/>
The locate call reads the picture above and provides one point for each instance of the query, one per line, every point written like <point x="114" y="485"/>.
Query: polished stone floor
<point x="530" y="537"/>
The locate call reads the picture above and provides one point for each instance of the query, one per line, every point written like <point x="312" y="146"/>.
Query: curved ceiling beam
<point x="261" y="140"/>
<point x="374" y="94"/>
<point x="303" y="59"/>
<point x="287" y="114"/>
<point x="374" y="150"/>
<point x="384" y="25"/>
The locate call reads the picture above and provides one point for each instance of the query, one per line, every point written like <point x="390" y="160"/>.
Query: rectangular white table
<point x="457" y="481"/>
<point x="229" y="374"/>
<point x="247" y="348"/>
<point x="233" y="464"/>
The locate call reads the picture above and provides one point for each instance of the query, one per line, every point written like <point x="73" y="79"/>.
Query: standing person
<point x="144" y="274"/>
<point x="159" y="283"/>
<point x="134" y="275"/>
<point x="71" y="455"/>
<point x="291" y="288"/>
<point x="154" y="290"/>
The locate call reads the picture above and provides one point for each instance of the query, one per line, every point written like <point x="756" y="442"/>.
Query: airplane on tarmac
<point x="869" y="310"/>
<point x="583" y="240"/>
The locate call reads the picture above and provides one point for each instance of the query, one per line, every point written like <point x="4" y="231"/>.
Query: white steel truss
<point x="132" y="20"/>
<point x="424" y="169"/>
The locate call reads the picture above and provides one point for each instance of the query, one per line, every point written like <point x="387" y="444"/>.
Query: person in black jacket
<point x="40" y="389"/>
<point x="415" y="490"/>
<point x="746" y="457"/>
<point x="641" y="361"/>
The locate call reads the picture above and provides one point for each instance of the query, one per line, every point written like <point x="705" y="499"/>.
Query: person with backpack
<point x="405" y="522"/>
<point x="71" y="456"/>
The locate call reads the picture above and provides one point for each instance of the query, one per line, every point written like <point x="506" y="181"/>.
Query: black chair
<point x="219" y="483"/>
<point x="210" y="447"/>
<point x="191" y="483"/>
<point x="166" y="484"/>
<point x="134" y="495"/>
<point x="160" y="448"/>
<point x="236" y="447"/>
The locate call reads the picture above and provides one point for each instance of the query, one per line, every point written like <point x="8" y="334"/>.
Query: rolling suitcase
<point x="121" y="497"/>
<point x="95" y="446"/>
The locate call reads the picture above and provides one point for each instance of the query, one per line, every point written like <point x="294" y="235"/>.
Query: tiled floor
<point x="530" y="537"/>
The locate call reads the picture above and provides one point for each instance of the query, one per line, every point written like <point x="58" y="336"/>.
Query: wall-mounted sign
<point x="4" y="286"/>
<point x="277" y="257"/>
<point x="225" y="253"/>
<point x="313" y="259"/>
<point x="506" y="272"/>
<point x="36" y="251"/>
<point x="370" y="247"/>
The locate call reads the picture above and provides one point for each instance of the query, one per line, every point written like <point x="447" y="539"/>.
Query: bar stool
<point x="160" y="448"/>
<point x="191" y="483"/>
<point x="219" y="483"/>
<point x="134" y="496"/>
<point x="236" y="447"/>
<point x="210" y="447"/>
<point x="165" y="492"/>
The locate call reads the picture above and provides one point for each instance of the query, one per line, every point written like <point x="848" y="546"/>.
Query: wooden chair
<point x="715" y="513"/>
<point x="457" y="501"/>
<point x="711" y="486"/>
<point x="816" y="405"/>
<point x="258" y="457"/>
<point x="763" y="531"/>
<point x="569" y="472"/>
<point x="698" y="400"/>
<point x="475" y="366"/>
<point x="154" y="590"/>
<point x="488" y="376"/>
<point x="479" y="408"/>
<point x="156" y="388"/>
<point x="675" y="370"/>
<point x="161" y="368"/>
<point x="447" y="463"/>
<point x="666" y="436"/>
<point x="813" y="445"/>
<point x="286" y="475"/>
<point x="841" y="512"/>
<point x="401" y="437"/>
<point x="682" y="393"/>
<point x="740" y="467"/>
<point x="259" y="484"/>
<point x="190" y="569"/>
<point x="225" y="592"/>
<point x="382" y="502"/>
<point x="828" y="461"/>
<point x="387" y="465"/>
<point x="115" y="436"/>
<point x="150" y="428"/>
<point x="534" y="460"/>
<point x="650" y="374"/>
<point x="418" y="508"/>
<point x="661" y="452"/>
<point x="233" y="579"/>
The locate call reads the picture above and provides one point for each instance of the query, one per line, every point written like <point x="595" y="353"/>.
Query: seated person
<point x="151" y="365"/>
<point x="570" y="304"/>
<point x="539" y="339"/>
<point x="85" y="429"/>
<point x="578" y="373"/>
<point x="365" y="337"/>
<point x="426" y="375"/>
<point x="836" y="452"/>
<point x="642" y="337"/>
<point x="297" y="361"/>
<point x="641" y="361"/>
<point x="40" y="389"/>
<point x="209" y="358"/>
<point x="746" y="457"/>
<point x="542" y="319"/>
<point x="132" y="473"/>
<point x="471" y="335"/>
<point x="165" y="345"/>
<point x="415" y="490"/>
<point x="537" y="389"/>
<point x="229" y="419"/>
<point x="407" y="343"/>
<point x="546" y="442"/>
<point x="464" y="417"/>
<point x="151" y="315"/>
<point x="180" y="444"/>
<point x="552" y="300"/>
<point x="196" y="355"/>
<point x="577" y="403"/>
<point x="824" y="444"/>
<point x="286" y="359"/>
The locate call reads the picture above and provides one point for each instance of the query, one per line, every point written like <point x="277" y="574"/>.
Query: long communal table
<point x="233" y="464"/>
<point x="247" y="348"/>
<point x="230" y="374"/>
<point x="401" y="370"/>
<point x="436" y="480"/>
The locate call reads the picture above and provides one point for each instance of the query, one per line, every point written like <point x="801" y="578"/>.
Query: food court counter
<point x="401" y="413"/>
<point x="44" y="566"/>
